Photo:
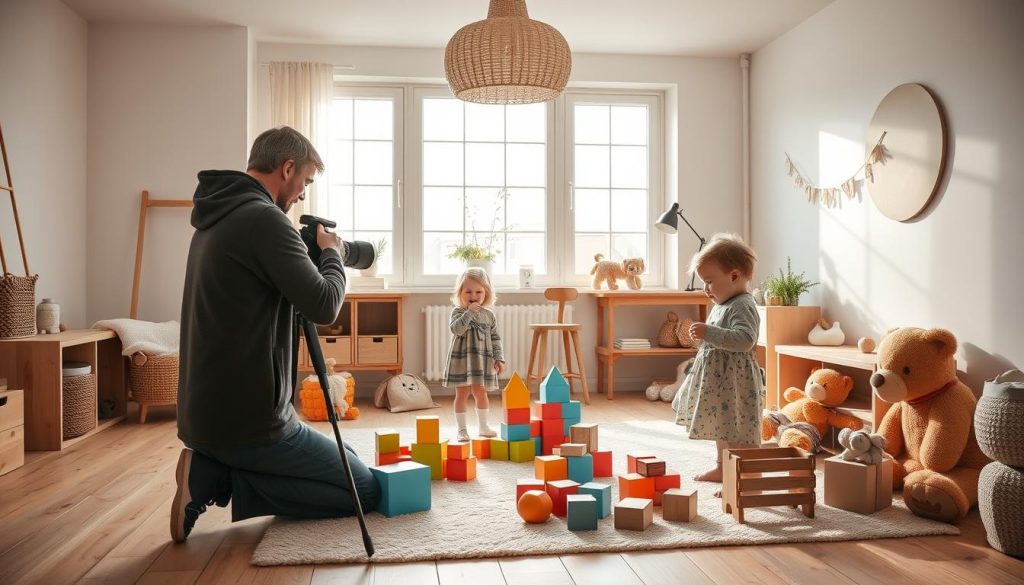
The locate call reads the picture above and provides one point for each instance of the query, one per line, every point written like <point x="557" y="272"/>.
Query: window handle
<point x="572" y="196"/>
<point x="398" y="193"/>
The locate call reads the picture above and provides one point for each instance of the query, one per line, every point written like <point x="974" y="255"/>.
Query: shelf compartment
<point x="377" y="349"/>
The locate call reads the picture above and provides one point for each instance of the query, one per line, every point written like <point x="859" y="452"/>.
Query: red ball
<point x="535" y="506"/>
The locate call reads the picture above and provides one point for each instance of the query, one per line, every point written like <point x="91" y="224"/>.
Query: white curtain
<point x="300" y="97"/>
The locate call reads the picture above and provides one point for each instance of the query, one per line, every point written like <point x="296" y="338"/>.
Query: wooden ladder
<point x="9" y="187"/>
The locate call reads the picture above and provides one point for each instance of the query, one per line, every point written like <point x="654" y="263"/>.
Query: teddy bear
<point x="929" y="429"/>
<point x="810" y="412"/>
<point x="609" y="271"/>
<point x="862" y="446"/>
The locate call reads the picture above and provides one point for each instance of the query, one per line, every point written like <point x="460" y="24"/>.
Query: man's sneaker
<point x="184" y="512"/>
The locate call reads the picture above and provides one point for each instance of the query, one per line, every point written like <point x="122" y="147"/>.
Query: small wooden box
<point x="12" y="430"/>
<point x="584" y="433"/>
<point x="573" y="449"/>
<point x="756" y="478"/>
<point x="12" y="409"/>
<point x="858" y="487"/>
<point x="377" y="350"/>
<point x="678" y="505"/>
<point x="634" y="514"/>
<point x="339" y="348"/>
<point x="650" y="467"/>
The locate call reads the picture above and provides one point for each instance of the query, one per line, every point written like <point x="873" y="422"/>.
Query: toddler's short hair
<point x="478" y="275"/>
<point x="728" y="251"/>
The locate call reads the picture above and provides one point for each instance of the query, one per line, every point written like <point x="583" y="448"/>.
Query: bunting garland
<point x="829" y="196"/>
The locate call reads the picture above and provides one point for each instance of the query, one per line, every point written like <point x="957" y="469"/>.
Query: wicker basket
<point x="153" y="380"/>
<point x="667" y="333"/>
<point x="79" y="405"/>
<point x="17" y="306"/>
<point x="1000" y="490"/>
<point x="999" y="419"/>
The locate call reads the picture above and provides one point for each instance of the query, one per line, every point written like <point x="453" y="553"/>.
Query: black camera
<point x="360" y="254"/>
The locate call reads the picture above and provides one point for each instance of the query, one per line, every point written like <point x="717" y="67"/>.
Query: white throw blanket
<point x="144" y="336"/>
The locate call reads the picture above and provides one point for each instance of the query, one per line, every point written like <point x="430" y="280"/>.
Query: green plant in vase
<point x="786" y="287"/>
<point x="480" y="252"/>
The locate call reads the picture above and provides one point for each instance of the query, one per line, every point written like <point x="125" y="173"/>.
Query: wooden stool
<point x="570" y="341"/>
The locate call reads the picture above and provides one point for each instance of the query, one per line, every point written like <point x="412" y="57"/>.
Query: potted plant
<point x="378" y="249"/>
<point x="786" y="287"/>
<point x="481" y="254"/>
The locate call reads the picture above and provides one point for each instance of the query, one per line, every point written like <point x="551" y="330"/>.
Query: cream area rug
<point x="479" y="519"/>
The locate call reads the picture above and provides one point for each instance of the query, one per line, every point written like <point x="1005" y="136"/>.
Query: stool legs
<point x="533" y="354"/>
<point x="579" y="363"/>
<point x="568" y="360"/>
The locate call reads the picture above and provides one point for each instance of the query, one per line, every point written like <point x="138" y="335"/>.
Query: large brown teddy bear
<point x="811" y="412"/>
<point x="929" y="429"/>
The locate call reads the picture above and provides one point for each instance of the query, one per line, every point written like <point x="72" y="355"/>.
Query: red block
<point x="481" y="448"/>
<point x="666" y="482"/>
<point x="631" y="462"/>
<point x="552" y="427"/>
<point x="461" y="469"/>
<point x="405" y="449"/>
<point x="535" y="427"/>
<point x="549" y="443"/>
<point x="458" y="450"/>
<point x="547" y="410"/>
<point x="386" y="458"/>
<point x="525" y="485"/>
<point x="404" y="457"/>
<point x="558" y="490"/>
<point x="657" y="497"/>
<point x="517" y="416"/>
<point x="602" y="463"/>
<point x="634" y="485"/>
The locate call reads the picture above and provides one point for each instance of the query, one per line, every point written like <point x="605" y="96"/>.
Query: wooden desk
<point x="608" y="300"/>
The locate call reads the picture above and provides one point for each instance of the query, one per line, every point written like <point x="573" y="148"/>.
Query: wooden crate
<point x="758" y="478"/>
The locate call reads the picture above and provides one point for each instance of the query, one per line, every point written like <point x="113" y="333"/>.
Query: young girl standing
<point x="722" y="397"/>
<point x="475" y="359"/>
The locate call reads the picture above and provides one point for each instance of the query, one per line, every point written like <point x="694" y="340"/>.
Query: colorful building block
<point x="650" y="467"/>
<point x="631" y="461"/>
<point x="572" y="449"/>
<point x="634" y="514"/>
<point x="481" y="448"/>
<point x="514" y="432"/>
<point x="548" y="444"/>
<point x="499" y="449"/>
<point x="581" y="512"/>
<point x="516" y="416"/>
<point x="405" y="449"/>
<point x="428" y="430"/>
<point x="550" y="468"/>
<point x="405" y="456"/>
<point x="559" y="490"/>
<point x="386" y="458"/>
<point x="567" y="424"/>
<point x="386" y="441"/>
<point x="538" y="446"/>
<point x="535" y="427"/>
<point x="572" y="409"/>
<point x="458" y="450"/>
<point x="554" y="388"/>
<point x="461" y="469"/>
<point x="404" y="488"/>
<point x="433" y="455"/>
<point x="678" y="505"/>
<point x="667" y="482"/>
<point x="552" y="427"/>
<point x="602" y="493"/>
<point x="515" y="394"/>
<point x="584" y="433"/>
<point x="581" y="469"/>
<point x="524" y="485"/>
<point x="602" y="463"/>
<point x="522" y="451"/>
<point x="634" y="485"/>
<point x="547" y="410"/>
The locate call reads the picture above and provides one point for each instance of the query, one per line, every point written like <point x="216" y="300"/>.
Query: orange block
<point x="386" y="458"/>
<point x="460" y="450"/>
<point x="550" y="468"/>
<point x="481" y="448"/>
<point x="634" y="485"/>
<point x="631" y="461"/>
<point x="461" y="469"/>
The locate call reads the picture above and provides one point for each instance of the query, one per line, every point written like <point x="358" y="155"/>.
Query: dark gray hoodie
<point x="247" y="273"/>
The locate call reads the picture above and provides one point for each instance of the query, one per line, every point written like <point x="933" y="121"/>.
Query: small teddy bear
<point x="862" y="446"/>
<point x="811" y="412"/>
<point x="609" y="271"/>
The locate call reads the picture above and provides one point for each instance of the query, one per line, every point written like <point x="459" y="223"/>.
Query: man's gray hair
<point x="277" y="145"/>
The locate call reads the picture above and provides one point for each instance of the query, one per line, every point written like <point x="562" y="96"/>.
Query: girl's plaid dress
<point x="476" y="346"/>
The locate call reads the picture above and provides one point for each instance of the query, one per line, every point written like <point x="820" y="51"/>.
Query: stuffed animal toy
<point x="343" y="393"/>
<point x="929" y="430"/>
<point x="811" y="412"/>
<point x="862" y="446"/>
<point x="609" y="271"/>
<point x="825" y="333"/>
<point x="669" y="391"/>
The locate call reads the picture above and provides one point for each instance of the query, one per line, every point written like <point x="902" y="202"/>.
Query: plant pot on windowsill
<point x="482" y="263"/>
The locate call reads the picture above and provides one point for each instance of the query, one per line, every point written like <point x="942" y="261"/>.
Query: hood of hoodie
<point x="221" y="192"/>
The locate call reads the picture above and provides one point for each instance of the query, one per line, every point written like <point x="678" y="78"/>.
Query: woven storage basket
<point x="17" y="306"/>
<point x="79" y="405"/>
<point x="999" y="419"/>
<point x="1000" y="492"/>
<point x="153" y="379"/>
<point x="667" y="333"/>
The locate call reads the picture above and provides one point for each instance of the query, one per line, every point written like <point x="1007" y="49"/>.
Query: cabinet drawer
<point x="12" y="409"/>
<point x="339" y="348"/>
<point x="12" y="449"/>
<point x="377" y="350"/>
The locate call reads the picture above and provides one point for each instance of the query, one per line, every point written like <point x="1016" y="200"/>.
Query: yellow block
<point x="428" y="430"/>
<point x="515" y="394"/>
<point x="387" y="441"/>
<point x="432" y="455"/>
<point x="521" y="451"/>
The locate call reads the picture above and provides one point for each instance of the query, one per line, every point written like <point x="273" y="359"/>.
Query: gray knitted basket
<point x="999" y="419"/>
<point x="1000" y="492"/>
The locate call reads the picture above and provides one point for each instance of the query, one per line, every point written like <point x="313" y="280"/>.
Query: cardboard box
<point x="858" y="487"/>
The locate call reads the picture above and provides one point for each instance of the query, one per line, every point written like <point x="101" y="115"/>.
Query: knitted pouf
<point x="1000" y="492"/>
<point x="999" y="419"/>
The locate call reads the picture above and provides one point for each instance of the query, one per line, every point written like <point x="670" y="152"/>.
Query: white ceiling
<point x="665" y="27"/>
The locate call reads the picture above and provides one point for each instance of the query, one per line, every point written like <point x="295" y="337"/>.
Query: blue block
<point x="581" y="512"/>
<point x="554" y="388"/>
<point x="567" y="424"/>
<point x="404" y="488"/>
<point x="539" y="446"/>
<point x="581" y="469"/>
<point x="515" y="432"/>
<point x="602" y="493"/>
<point x="571" y="409"/>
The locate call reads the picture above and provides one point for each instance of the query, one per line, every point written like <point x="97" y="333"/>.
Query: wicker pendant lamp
<point x="507" y="58"/>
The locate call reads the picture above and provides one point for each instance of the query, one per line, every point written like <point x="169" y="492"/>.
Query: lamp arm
<point x="699" y="248"/>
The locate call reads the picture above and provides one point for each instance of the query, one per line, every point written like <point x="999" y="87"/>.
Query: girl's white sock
<point x="481" y="415"/>
<point x="460" y="420"/>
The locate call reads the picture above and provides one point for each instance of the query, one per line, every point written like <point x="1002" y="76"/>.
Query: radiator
<point x="513" y="326"/>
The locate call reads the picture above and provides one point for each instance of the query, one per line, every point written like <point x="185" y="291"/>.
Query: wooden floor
<point x="98" y="513"/>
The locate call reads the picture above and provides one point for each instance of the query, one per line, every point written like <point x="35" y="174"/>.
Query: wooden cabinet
<point x="34" y="365"/>
<point x="367" y="335"/>
<point x="12" y="430"/>
<point x="781" y="325"/>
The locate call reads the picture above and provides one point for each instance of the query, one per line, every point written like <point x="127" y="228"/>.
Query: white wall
<point x="957" y="265"/>
<point x="42" y="111"/>
<point x="164" y="103"/>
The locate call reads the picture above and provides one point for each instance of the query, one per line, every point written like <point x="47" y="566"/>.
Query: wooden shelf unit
<point x="34" y="364"/>
<point x="367" y="335"/>
<point x="795" y="363"/>
<point x="781" y="325"/>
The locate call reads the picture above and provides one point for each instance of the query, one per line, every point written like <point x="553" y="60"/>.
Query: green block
<point x="602" y="493"/>
<point x="404" y="488"/>
<point x="522" y="451"/>
<point x="499" y="449"/>
<point x="581" y="512"/>
<point x="432" y="455"/>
